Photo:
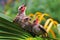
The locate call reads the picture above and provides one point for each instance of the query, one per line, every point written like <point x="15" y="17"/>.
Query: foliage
<point x="11" y="31"/>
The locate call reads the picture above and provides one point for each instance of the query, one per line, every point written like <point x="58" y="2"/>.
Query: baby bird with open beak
<point x="21" y="14"/>
<point x="38" y="28"/>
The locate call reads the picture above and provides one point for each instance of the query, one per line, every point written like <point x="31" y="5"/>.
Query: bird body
<point x="37" y="28"/>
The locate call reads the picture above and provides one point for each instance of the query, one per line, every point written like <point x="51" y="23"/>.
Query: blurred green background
<point x="52" y="7"/>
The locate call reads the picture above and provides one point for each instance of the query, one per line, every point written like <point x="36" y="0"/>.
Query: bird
<point x="22" y="19"/>
<point x="27" y="24"/>
<point x="37" y="28"/>
<point x="21" y="14"/>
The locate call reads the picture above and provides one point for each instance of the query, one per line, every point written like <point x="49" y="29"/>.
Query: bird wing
<point x="42" y="29"/>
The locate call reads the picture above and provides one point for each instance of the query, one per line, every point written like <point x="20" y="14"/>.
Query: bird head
<point x="36" y="21"/>
<point x="22" y="8"/>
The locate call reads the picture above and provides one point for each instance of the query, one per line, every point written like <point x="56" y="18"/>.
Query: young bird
<point x="37" y="28"/>
<point x="21" y="14"/>
<point x="27" y="25"/>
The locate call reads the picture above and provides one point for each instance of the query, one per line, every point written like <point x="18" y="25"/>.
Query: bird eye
<point x="20" y="8"/>
<point x="26" y="18"/>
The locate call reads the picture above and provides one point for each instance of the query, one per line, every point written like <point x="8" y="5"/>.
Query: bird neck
<point x="23" y="13"/>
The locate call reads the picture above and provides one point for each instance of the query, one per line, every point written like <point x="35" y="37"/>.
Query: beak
<point x="23" y="7"/>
